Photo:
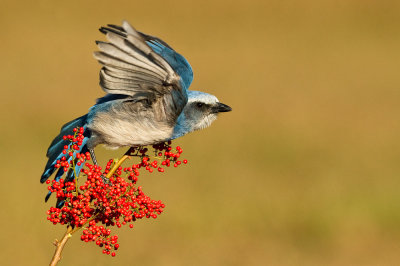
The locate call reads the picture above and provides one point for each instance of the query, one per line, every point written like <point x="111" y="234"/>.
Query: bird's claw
<point x="130" y="151"/>
<point x="105" y="180"/>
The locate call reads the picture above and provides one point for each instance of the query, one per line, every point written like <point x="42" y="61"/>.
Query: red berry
<point x="118" y="200"/>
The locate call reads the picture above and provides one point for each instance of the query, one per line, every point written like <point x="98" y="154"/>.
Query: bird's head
<point x="200" y="111"/>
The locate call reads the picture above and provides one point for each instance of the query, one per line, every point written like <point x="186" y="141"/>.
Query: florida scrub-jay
<point x="147" y="98"/>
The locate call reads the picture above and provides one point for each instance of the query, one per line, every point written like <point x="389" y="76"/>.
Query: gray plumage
<point x="147" y="99"/>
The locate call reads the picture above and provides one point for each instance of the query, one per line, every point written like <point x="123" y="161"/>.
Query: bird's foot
<point x="130" y="152"/>
<point x="105" y="180"/>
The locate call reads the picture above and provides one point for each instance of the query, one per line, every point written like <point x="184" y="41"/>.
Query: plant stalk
<point x="60" y="246"/>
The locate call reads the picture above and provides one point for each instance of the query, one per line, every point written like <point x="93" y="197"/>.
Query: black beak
<point x="220" y="107"/>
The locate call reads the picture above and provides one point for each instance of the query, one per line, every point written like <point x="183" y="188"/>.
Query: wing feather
<point x="131" y="51"/>
<point x="115" y="52"/>
<point x="180" y="65"/>
<point x="134" y="75"/>
<point x="132" y="67"/>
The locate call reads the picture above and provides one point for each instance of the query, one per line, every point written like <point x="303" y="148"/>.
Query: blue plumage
<point x="175" y="60"/>
<point x="147" y="99"/>
<point x="54" y="153"/>
<point x="55" y="149"/>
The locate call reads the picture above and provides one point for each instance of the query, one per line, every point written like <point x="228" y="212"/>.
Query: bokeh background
<point x="304" y="171"/>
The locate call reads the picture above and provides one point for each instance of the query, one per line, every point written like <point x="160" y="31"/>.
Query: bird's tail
<point x="55" y="152"/>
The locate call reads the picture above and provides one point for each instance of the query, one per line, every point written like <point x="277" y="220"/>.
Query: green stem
<point x="116" y="165"/>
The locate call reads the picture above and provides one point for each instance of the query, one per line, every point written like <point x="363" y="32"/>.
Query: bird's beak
<point x="220" y="107"/>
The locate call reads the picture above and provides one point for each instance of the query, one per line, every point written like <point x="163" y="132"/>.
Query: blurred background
<point x="304" y="171"/>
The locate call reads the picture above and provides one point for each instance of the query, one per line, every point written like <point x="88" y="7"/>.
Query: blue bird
<point x="147" y="100"/>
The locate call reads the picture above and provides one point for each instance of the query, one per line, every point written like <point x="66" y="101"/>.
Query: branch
<point x="60" y="246"/>
<point x="118" y="163"/>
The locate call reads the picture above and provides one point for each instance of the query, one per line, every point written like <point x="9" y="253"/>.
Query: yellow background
<point x="304" y="171"/>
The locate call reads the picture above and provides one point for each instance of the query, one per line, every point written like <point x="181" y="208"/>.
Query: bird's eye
<point x="199" y="105"/>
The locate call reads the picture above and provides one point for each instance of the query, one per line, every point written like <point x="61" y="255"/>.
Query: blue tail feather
<point x="55" y="153"/>
<point x="66" y="130"/>
<point x="60" y="203"/>
<point x="71" y="174"/>
<point x="55" y="149"/>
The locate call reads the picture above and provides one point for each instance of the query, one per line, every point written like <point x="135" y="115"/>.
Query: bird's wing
<point x="176" y="61"/>
<point x="131" y="67"/>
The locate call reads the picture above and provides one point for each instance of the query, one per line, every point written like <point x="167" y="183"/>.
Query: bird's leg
<point x="91" y="151"/>
<point x="105" y="180"/>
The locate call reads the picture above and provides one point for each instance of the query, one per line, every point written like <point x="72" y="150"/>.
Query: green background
<point x="304" y="171"/>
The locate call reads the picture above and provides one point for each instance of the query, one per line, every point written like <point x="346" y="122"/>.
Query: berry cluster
<point x="110" y="197"/>
<point x="76" y="142"/>
<point x="163" y="157"/>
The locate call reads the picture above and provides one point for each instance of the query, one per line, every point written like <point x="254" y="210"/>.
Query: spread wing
<point x="131" y="67"/>
<point x="176" y="61"/>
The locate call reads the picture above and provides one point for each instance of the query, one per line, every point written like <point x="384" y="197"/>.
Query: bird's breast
<point x="118" y="130"/>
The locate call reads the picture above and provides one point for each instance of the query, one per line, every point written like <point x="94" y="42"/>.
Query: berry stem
<point x="60" y="246"/>
<point x="76" y="177"/>
<point x="73" y="167"/>
<point x="118" y="164"/>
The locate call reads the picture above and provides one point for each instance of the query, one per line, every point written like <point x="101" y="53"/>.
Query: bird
<point x="147" y="99"/>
